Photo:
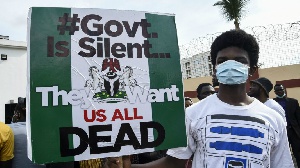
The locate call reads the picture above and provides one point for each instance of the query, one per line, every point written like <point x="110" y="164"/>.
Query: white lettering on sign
<point x="74" y="97"/>
<point x="151" y="95"/>
<point x="80" y="97"/>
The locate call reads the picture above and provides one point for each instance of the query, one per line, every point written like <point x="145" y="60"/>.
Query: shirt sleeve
<point x="282" y="113"/>
<point x="280" y="154"/>
<point x="7" y="150"/>
<point x="184" y="152"/>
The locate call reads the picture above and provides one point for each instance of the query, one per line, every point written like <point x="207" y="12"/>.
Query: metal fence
<point x="279" y="44"/>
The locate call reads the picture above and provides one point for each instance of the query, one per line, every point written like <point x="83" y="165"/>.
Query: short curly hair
<point x="236" y="38"/>
<point x="199" y="88"/>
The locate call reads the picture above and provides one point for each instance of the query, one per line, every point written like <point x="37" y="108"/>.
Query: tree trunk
<point x="236" y="24"/>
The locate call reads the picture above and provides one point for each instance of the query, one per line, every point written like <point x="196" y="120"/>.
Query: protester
<point x="292" y="113"/>
<point x="260" y="89"/>
<point x="92" y="163"/>
<point x="6" y="146"/>
<point x="204" y="90"/>
<point x="188" y="102"/>
<point x="230" y="128"/>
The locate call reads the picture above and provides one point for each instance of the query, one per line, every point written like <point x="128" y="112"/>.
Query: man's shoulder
<point x="276" y="99"/>
<point x="292" y="99"/>
<point x="271" y="102"/>
<point x="5" y="133"/>
<point x="207" y="100"/>
<point x="4" y="128"/>
<point x="275" y="106"/>
<point x="200" y="108"/>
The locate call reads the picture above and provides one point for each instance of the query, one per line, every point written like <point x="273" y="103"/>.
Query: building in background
<point x="198" y="65"/>
<point x="13" y="70"/>
<point x="288" y="75"/>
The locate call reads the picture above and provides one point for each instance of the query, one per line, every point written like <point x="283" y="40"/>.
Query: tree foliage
<point x="232" y="10"/>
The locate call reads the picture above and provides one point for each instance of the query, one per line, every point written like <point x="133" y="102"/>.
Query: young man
<point x="260" y="89"/>
<point x="292" y="113"/>
<point x="204" y="90"/>
<point x="230" y="128"/>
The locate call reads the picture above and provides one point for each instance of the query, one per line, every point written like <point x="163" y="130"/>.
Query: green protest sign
<point x="102" y="83"/>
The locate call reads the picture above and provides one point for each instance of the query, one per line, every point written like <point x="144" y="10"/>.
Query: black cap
<point x="265" y="84"/>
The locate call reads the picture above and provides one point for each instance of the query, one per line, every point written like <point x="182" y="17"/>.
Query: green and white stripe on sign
<point x="102" y="83"/>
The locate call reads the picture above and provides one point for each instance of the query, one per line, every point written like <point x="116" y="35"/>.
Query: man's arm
<point x="280" y="155"/>
<point x="298" y="115"/>
<point x="7" y="150"/>
<point x="294" y="119"/>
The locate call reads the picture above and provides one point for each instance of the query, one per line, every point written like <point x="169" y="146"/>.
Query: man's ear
<point x="214" y="70"/>
<point x="253" y="69"/>
<point x="198" y="96"/>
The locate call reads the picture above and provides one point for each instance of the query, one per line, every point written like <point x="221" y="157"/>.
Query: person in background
<point x="260" y="89"/>
<point x="204" y="90"/>
<point x="292" y="113"/>
<point x="92" y="163"/>
<point x="6" y="146"/>
<point x="188" y="102"/>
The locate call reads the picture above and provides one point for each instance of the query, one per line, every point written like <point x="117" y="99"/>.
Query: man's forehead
<point x="233" y="51"/>
<point x="207" y="88"/>
<point x="279" y="87"/>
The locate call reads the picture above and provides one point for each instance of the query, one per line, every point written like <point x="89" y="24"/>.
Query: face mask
<point x="281" y="96"/>
<point x="232" y="72"/>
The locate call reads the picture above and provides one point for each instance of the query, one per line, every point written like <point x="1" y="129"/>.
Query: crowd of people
<point x="229" y="127"/>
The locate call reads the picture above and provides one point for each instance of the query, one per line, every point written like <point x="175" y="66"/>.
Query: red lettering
<point x="135" y="115"/>
<point x="89" y="119"/>
<point x="101" y="116"/>
<point x="100" y="113"/>
<point x="117" y="115"/>
<point x="126" y="115"/>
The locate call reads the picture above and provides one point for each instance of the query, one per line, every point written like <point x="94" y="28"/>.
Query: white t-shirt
<point x="276" y="106"/>
<point x="222" y="136"/>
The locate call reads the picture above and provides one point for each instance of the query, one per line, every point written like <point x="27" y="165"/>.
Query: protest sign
<point x="102" y="83"/>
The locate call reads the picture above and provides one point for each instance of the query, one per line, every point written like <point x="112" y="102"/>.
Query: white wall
<point x="12" y="76"/>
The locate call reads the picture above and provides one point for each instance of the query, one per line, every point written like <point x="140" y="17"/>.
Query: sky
<point x="194" y="18"/>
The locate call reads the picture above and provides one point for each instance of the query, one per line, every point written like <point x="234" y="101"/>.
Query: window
<point x="187" y="65"/>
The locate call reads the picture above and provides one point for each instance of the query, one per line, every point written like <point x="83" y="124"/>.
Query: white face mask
<point x="281" y="96"/>
<point x="232" y="72"/>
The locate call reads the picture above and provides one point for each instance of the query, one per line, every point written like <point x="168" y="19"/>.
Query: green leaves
<point x="232" y="9"/>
